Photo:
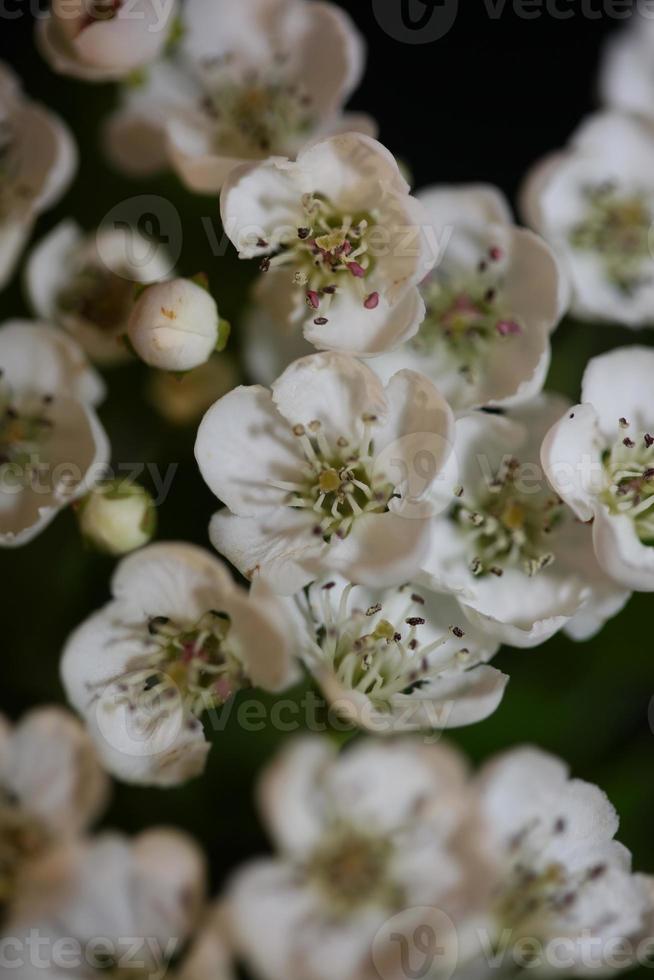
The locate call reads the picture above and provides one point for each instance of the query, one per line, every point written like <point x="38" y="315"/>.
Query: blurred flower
<point x="117" y="517"/>
<point x="600" y="458"/>
<point x="340" y="238"/>
<point x="316" y="473"/>
<point x="86" y="283"/>
<point x="362" y="836"/>
<point x="555" y="875"/>
<point x="396" y="659"/>
<point x="51" y="788"/>
<point x="38" y="159"/>
<point x="519" y="563"/>
<point x="594" y="203"/>
<point x="492" y="301"/>
<point x="104" y="40"/>
<point x="183" y="399"/>
<point x="127" y="907"/>
<point x="247" y="81"/>
<point x="175" y="325"/>
<point x="178" y="639"/>
<point x="52" y="446"/>
<point x="626" y="80"/>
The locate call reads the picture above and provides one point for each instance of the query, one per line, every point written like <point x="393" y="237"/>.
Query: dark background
<point x="481" y="103"/>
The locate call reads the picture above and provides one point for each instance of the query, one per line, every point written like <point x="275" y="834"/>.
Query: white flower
<point x="38" y="158"/>
<point x="626" y="82"/>
<point x="342" y="240"/>
<point x="175" y="326"/>
<point x="555" y="875"/>
<point x="178" y="639"/>
<point x="325" y="472"/>
<point x="117" y="517"/>
<point x="594" y="203"/>
<point x="396" y="659"/>
<point x="518" y="561"/>
<point x="104" y="40"/>
<point x="362" y="837"/>
<point x="86" y="283"/>
<point x="492" y="301"/>
<point x="600" y="459"/>
<point x="51" y="788"/>
<point x="248" y="81"/>
<point x="52" y="446"/>
<point x="124" y="907"/>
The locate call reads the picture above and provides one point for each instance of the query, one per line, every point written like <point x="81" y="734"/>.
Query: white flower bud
<point x="174" y="325"/>
<point x="117" y="517"/>
<point x="106" y="38"/>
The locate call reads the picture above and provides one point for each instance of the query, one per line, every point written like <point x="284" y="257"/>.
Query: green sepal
<point x="224" y="331"/>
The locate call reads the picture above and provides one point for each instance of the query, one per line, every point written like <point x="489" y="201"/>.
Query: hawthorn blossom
<point x="125" y="907"/>
<point x="52" y="446"/>
<point x="626" y="82"/>
<point x="512" y="553"/>
<point x="555" y="876"/>
<point x="183" y="399"/>
<point x="342" y="240"/>
<point x="492" y="302"/>
<point x="396" y="659"/>
<point x="104" y="40"/>
<point x="175" y="326"/>
<point x="247" y="81"/>
<point x="38" y="159"/>
<point x="600" y="458"/>
<point x="179" y="638"/>
<point x="364" y="839"/>
<point x="52" y="788"/>
<point x="325" y="471"/>
<point x="594" y="203"/>
<point x="86" y="284"/>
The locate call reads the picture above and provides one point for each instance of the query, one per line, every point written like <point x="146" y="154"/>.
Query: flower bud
<point x="175" y="325"/>
<point x="105" y="39"/>
<point x="117" y="517"/>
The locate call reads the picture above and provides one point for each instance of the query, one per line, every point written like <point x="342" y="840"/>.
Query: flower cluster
<point x="400" y="496"/>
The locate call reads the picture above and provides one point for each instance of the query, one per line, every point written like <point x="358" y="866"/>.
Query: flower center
<point x="256" y="112"/>
<point x="341" y="482"/>
<point x="23" y="433"/>
<point x="328" y="246"/>
<point x="22" y="838"/>
<point x="510" y="526"/>
<point x="532" y="892"/>
<point x="351" y="868"/>
<point x="98" y="295"/>
<point x="465" y="316"/>
<point x="198" y="663"/>
<point x="377" y="657"/>
<point x="617" y="228"/>
<point x="629" y="472"/>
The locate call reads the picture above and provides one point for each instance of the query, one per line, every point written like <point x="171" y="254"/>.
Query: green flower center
<point x="629" y="473"/>
<point x="327" y="247"/>
<point x="341" y="482"/>
<point x="466" y="314"/>
<point x="23" y="433"/>
<point x="510" y="526"/>
<point x="198" y="663"/>
<point x="100" y="296"/>
<point x="617" y="228"/>
<point x="351" y="868"/>
<point x="256" y="112"/>
<point x="376" y="657"/>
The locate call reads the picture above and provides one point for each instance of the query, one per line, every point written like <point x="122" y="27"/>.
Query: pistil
<point x="629" y="476"/>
